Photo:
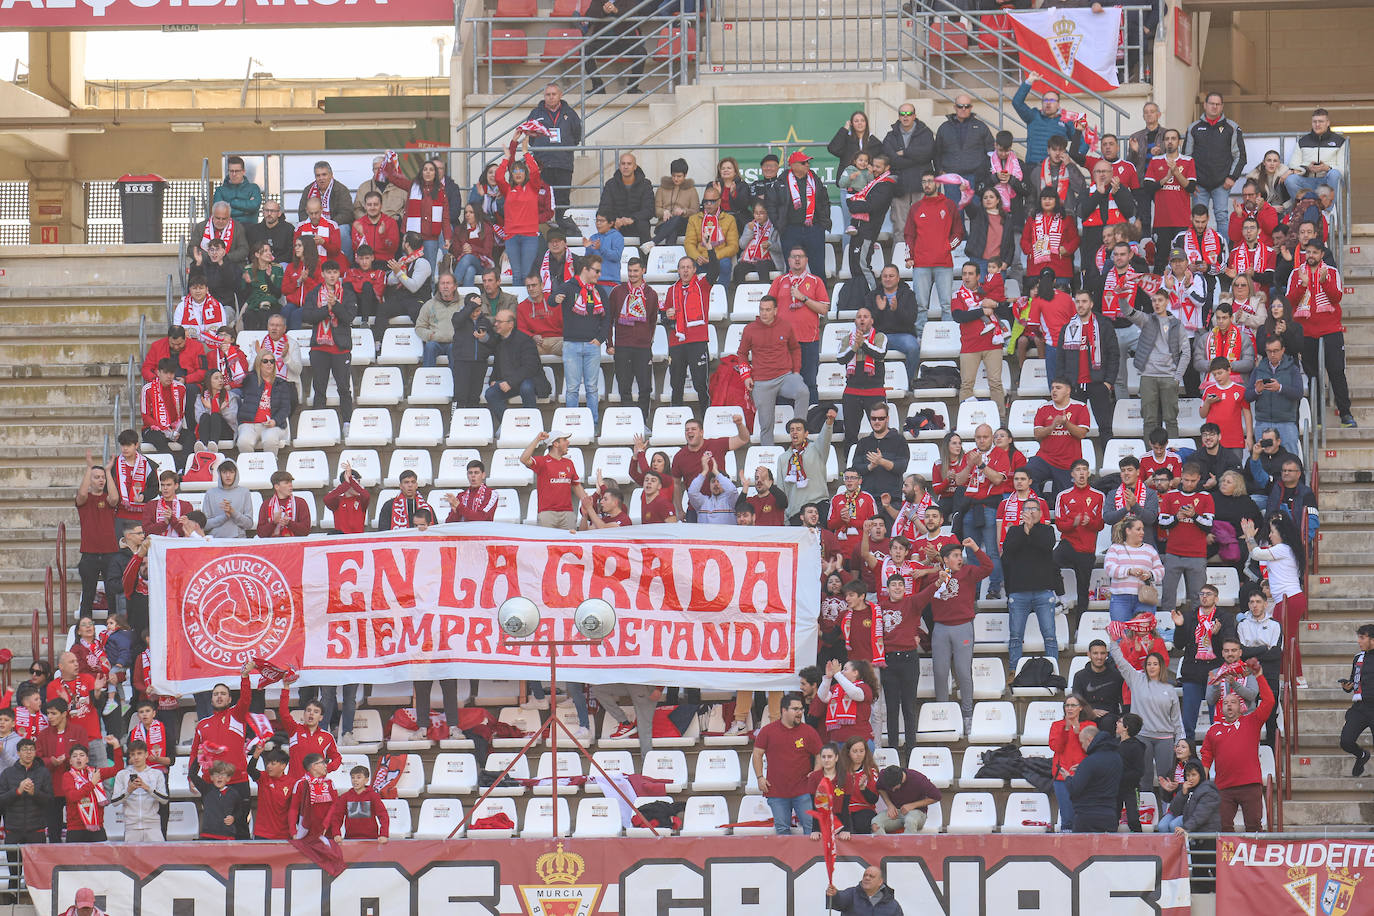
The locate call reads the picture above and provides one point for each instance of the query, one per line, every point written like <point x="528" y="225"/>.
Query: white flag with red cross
<point x="1076" y="43"/>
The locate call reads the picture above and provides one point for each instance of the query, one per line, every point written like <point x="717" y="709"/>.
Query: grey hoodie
<point x="1156" y="702"/>
<point x="236" y="522"/>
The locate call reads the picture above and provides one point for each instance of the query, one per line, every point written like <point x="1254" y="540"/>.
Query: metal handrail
<point x="932" y="10"/>
<point x="105" y="450"/>
<point x="207" y="188"/>
<point x="62" y="568"/>
<point x="47" y="606"/>
<point x="130" y="376"/>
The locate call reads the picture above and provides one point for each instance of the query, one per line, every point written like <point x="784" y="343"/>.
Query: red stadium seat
<point x="947" y="37"/>
<point x="509" y="44"/>
<point x="559" y="42"/>
<point x="570" y="9"/>
<point x="516" y="9"/>
<point x="670" y="42"/>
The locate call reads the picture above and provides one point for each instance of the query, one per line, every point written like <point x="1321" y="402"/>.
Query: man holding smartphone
<point x="1360" y="686"/>
<point x="1275" y="391"/>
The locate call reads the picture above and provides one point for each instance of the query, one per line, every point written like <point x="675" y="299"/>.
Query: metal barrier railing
<point x="939" y="53"/>
<point x="781" y="36"/>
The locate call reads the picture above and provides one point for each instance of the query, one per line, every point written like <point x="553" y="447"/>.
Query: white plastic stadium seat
<point x="971" y="764"/>
<point x="1021" y="417"/>
<point x="317" y="429"/>
<point x="453" y="467"/>
<point x="409" y="459"/>
<point x="745" y="307"/>
<point x="1126" y="419"/>
<point x="576" y="422"/>
<point x="256" y="470"/>
<point x="506" y="469"/>
<point x="381" y="386"/>
<point x="939" y="723"/>
<point x="439" y="817"/>
<point x="668" y="765"/>
<point x="421" y="427"/>
<point x="489" y="807"/>
<point x="706" y="815"/>
<point x="369" y="426"/>
<point x="993" y="722"/>
<point x="620" y="425"/>
<point x="935" y="764"/>
<point x="309" y="469"/>
<point x="668" y="425"/>
<point x="661" y="265"/>
<point x="972" y="812"/>
<point x="400" y="347"/>
<point x="539" y="818"/>
<point x="470" y="426"/>
<point x="519" y="426"/>
<point x="431" y="386"/>
<point x="1027" y="812"/>
<point x="940" y="340"/>
<point x="613" y="464"/>
<point x="717" y="770"/>
<point x="598" y="817"/>
<point x="363" y="460"/>
<point x="1040" y="717"/>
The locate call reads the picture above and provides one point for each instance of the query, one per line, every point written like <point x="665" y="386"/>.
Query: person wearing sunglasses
<point x="910" y="147"/>
<point x="962" y="144"/>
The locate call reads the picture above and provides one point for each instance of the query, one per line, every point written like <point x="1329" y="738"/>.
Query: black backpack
<point x="1038" y="672"/>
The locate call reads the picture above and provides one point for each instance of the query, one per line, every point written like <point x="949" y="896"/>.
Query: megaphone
<point x="518" y="617"/>
<point x="594" y="618"/>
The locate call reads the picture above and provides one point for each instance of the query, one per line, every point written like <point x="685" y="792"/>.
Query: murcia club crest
<point x="1064" y="43"/>
<point x="560" y="895"/>
<point x="1333" y="898"/>
<point x="237" y="606"/>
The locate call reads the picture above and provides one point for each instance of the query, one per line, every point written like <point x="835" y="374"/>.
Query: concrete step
<point x="1305" y="813"/>
<point x="86" y="266"/>
<point x="1338" y="583"/>
<point x="1322" y="766"/>
<point x="73" y="352"/>
<point x="36" y="391"/>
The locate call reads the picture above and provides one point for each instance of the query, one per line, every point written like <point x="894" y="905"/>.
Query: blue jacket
<point x="854" y="902"/>
<point x="1039" y="129"/>
<point x="1276" y="406"/>
<point x="612" y="246"/>
<point x="1094" y="785"/>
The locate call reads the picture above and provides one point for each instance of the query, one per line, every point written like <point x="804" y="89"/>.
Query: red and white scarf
<point x="875" y="633"/>
<point x="163" y="700"/>
<point x="154" y="735"/>
<point x="711" y="236"/>
<point x="840" y="710"/>
<point x="1137" y="497"/>
<point x="321" y="789"/>
<point x="862" y="194"/>
<point x="278" y="350"/>
<point x="753" y="252"/>
<point x="1049" y="233"/>
<point x="908" y="523"/>
<point x="870" y="363"/>
<point x="1118" y="290"/>
<point x="155" y="404"/>
<point x="1080" y="333"/>
<point x="636" y="309"/>
<point x="794" y="188"/>
<point x="420" y="206"/>
<point x="1114" y="214"/>
<point x="1229" y="346"/>
<point x="534" y="127"/>
<point x="271" y="673"/>
<point x="1256" y="260"/>
<point x="29" y="724"/>
<point x="1012" y="166"/>
<point x="1060" y="184"/>
<point x="1222" y="672"/>
<point x="1181" y="300"/>
<point x="568" y="271"/>
<point x="324" y="330"/>
<point x="166" y="512"/>
<point x="227" y="236"/>
<point x="588" y="300"/>
<point x="1140" y="624"/>
<point x="690" y="306"/>
<point x="1314" y="291"/>
<point x="1205" y="250"/>
<point x="322" y="196"/>
<point x="90" y="805"/>
<point x="1207" y="624"/>
<point x="130" y="480"/>
<point x="208" y="313"/>
<point x="400" y="514"/>
<point x="388" y="168"/>
<point x="287" y="508"/>
<point x="235" y="365"/>
<point x="95" y="656"/>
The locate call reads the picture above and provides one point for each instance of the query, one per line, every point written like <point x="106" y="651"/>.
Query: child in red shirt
<point x="85" y="795"/>
<point x="275" y="787"/>
<point x="359" y="813"/>
<point x="310" y="814"/>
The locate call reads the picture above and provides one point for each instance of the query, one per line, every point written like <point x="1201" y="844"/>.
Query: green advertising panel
<point x="787" y="128"/>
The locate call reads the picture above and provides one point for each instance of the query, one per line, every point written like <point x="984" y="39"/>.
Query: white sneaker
<point x="736" y="729"/>
<point x="536" y="704"/>
<point x="646" y="248"/>
<point x="456" y="734"/>
<point x="345" y="429"/>
<point x="581" y="733"/>
<point x="198" y="446"/>
<point x="346" y="739"/>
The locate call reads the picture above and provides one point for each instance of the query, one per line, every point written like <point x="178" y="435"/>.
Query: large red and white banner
<point x="1068" y="875"/>
<point x="697" y="606"/>
<point x="1078" y="42"/>
<point x="153" y="14"/>
<point x="1295" y="877"/>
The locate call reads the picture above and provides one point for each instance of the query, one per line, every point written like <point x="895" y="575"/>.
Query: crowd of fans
<point x="1129" y="248"/>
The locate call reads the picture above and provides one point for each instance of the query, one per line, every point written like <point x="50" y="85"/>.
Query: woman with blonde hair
<point x="734" y="190"/>
<point x="1130" y="563"/>
<point x="1248" y="305"/>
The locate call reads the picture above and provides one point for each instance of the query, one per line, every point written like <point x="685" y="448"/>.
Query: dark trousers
<point x="1357" y="718"/>
<point x="449" y="689"/>
<point x="1082" y="566"/>
<point x="1164" y="243"/>
<point x="340" y="365"/>
<point x="812" y="240"/>
<point x="561" y="182"/>
<point x="94" y="567"/>
<point x="56" y="812"/>
<point x="1335" y="366"/>
<point x="13" y="856"/>
<point x="1144" y="208"/>
<point x="669" y="232"/>
<point x="1129" y="798"/>
<point x="86" y="836"/>
<point x="498" y="398"/>
<point x="684" y="358"/>
<point x="1042" y="471"/>
<point x="1249" y="799"/>
<point x="161" y="442"/>
<point x="711" y="269"/>
<point x="256" y="319"/>
<point x="1102" y="401"/>
<point x="633" y="367"/>
<point x="855" y="406"/>
<point x="467" y="380"/>
<point x="900" y="677"/>
<point x="765" y="269"/>
<point x="861" y="260"/>
<point x="213" y="427"/>
<point x="367" y="299"/>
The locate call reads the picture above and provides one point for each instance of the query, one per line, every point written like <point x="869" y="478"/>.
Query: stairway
<point x="69" y="320"/>
<point x="1324" y="792"/>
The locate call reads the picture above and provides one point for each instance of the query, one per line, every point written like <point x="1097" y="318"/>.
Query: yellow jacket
<point x="691" y="239"/>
